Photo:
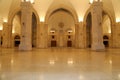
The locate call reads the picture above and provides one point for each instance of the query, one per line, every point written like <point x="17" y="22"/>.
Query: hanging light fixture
<point x="32" y="1"/>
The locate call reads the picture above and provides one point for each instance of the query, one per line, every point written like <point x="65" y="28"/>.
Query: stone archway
<point x="66" y="10"/>
<point x="64" y="26"/>
<point x="71" y="10"/>
<point x="112" y="20"/>
<point x="7" y="39"/>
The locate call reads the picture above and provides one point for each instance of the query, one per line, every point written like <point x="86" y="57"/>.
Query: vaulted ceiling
<point x="43" y="6"/>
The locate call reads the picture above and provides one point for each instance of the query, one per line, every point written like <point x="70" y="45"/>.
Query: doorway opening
<point x="88" y="30"/>
<point x="34" y="30"/>
<point x="53" y="43"/>
<point x="106" y="40"/>
<point x="16" y="29"/>
<point x="106" y="25"/>
<point x="1" y="40"/>
<point x="69" y="43"/>
<point x="17" y="41"/>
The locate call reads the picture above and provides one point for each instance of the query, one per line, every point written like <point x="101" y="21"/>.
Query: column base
<point x="98" y="47"/>
<point x="25" y="47"/>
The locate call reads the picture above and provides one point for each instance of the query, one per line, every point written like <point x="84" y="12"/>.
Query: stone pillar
<point x="10" y="36"/>
<point x="26" y="26"/>
<point x="79" y="35"/>
<point x="7" y="34"/>
<point x="116" y="36"/>
<point x="43" y="35"/>
<point x="97" y="36"/>
<point x="46" y="35"/>
<point x="113" y="35"/>
<point x="38" y="36"/>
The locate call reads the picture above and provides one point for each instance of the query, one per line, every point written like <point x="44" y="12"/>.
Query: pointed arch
<point x="64" y="7"/>
<point x="14" y="12"/>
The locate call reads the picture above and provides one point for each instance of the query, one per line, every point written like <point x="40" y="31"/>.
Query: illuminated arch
<point x="64" y="7"/>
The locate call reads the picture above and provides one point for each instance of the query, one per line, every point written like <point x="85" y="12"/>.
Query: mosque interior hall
<point x="59" y="39"/>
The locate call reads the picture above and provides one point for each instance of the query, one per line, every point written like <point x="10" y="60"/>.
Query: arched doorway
<point x="88" y="30"/>
<point x="60" y="24"/>
<point x="34" y="30"/>
<point x="1" y="40"/>
<point x="106" y="25"/>
<point x="53" y="39"/>
<point x="16" y="29"/>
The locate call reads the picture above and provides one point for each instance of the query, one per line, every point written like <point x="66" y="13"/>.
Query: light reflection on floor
<point x="59" y="64"/>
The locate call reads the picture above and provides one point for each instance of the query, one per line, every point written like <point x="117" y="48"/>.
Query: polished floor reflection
<point x="59" y="64"/>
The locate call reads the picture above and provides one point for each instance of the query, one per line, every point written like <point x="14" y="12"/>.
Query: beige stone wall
<point x="0" y="37"/>
<point x="116" y="35"/>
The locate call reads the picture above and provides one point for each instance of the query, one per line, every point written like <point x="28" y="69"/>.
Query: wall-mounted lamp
<point x="42" y="19"/>
<point x="13" y="31"/>
<point x="70" y="31"/>
<point x="117" y="20"/>
<point x="32" y="1"/>
<point x="91" y="1"/>
<point x="52" y="31"/>
<point x="80" y="19"/>
<point x="5" y="20"/>
<point x="1" y="28"/>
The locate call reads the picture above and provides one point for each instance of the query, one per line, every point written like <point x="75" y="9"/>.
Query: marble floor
<point x="59" y="64"/>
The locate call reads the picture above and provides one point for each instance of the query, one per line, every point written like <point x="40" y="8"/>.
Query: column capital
<point x="27" y="6"/>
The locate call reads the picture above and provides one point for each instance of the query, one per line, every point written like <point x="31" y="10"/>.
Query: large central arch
<point x="70" y="10"/>
<point x="68" y="39"/>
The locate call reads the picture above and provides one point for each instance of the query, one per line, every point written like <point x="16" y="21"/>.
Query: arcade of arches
<point x="61" y="28"/>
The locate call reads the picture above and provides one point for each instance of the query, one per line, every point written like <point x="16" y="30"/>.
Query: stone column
<point x="113" y="35"/>
<point x="5" y="35"/>
<point x="46" y="35"/>
<point x="79" y="35"/>
<point x="10" y="36"/>
<point x="76" y="35"/>
<point x="116" y="36"/>
<point x="43" y="35"/>
<point x="26" y="26"/>
<point x="38" y="35"/>
<point x="97" y="36"/>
